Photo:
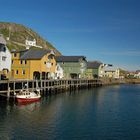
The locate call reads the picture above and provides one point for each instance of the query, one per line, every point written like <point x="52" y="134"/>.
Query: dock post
<point x="8" y="93"/>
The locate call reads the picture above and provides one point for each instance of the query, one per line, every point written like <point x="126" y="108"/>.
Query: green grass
<point x="19" y="33"/>
<point x="15" y="47"/>
<point x="5" y="32"/>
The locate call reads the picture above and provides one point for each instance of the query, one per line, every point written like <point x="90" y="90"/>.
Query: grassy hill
<point x="19" y="33"/>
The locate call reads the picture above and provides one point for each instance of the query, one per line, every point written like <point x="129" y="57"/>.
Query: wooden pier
<point x="9" y="87"/>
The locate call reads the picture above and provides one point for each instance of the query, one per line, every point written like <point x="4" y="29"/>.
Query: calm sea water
<point x="105" y="113"/>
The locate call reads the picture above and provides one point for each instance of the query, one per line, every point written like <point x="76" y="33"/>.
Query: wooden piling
<point x="47" y="86"/>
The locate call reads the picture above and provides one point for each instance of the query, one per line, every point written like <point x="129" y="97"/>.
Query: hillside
<point x="18" y="34"/>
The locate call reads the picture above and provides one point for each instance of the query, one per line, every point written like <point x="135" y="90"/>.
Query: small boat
<point x="28" y="96"/>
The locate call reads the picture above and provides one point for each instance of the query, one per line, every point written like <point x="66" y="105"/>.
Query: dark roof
<point x="34" y="54"/>
<point x="69" y="58"/>
<point x="18" y="51"/>
<point x="93" y="64"/>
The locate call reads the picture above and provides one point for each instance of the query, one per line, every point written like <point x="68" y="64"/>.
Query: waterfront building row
<point x="44" y="64"/>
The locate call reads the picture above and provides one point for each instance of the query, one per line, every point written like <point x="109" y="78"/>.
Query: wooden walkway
<point x="9" y="87"/>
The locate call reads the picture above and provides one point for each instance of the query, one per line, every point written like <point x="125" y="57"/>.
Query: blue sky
<point x="105" y="30"/>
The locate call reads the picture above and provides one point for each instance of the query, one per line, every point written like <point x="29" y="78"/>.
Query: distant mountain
<point x="16" y="34"/>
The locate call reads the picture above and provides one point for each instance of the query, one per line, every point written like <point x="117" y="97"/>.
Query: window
<point x="3" y="58"/>
<point x="52" y="64"/>
<point x="15" y="55"/>
<point x="12" y="61"/>
<point x="16" y="72"/>
<point x="25" y="62"/>
<point x="20" y="61"/>
<point x="45" y="63"/>
<point x="23" y="72"/>
<point x="50" y="57"/>
<point x="4" y="49"/>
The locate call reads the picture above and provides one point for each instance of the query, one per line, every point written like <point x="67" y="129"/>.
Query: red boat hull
<point x="21" y="100"/>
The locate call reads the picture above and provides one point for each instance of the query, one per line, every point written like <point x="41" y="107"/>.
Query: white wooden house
<point x="137" y="74"/>
<point x="30" y="42"/>
<point x="112" y="72"/>
<point x="59" y="72"/>
<point x="5" y="58"/>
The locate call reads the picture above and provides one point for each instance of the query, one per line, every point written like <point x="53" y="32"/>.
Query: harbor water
<point x="103" y="113"/>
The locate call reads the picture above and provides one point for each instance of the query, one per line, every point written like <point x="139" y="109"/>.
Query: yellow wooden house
<point x="33" y="64"/>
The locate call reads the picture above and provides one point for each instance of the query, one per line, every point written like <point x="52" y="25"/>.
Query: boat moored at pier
<point x="28" y="96"/>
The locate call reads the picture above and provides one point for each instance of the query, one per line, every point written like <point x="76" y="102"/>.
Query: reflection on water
<point x="100" y="113"/>
<point x="29" y="107"/>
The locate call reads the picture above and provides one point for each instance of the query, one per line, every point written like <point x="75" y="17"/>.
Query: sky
<point x="104" y="30"/>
